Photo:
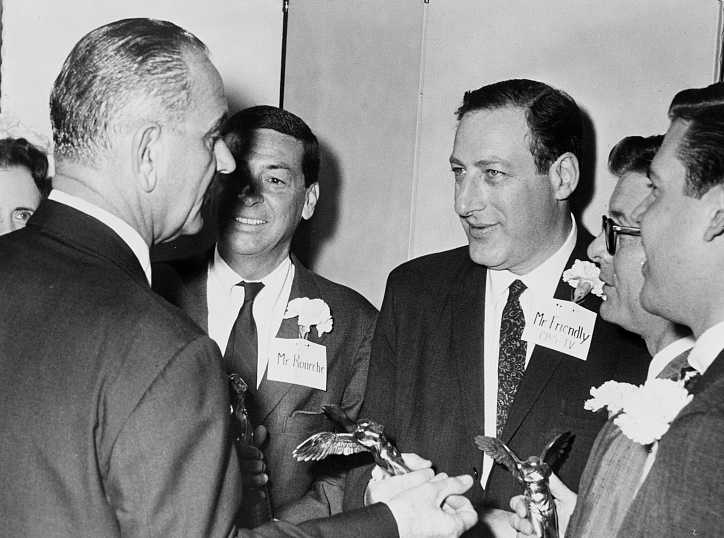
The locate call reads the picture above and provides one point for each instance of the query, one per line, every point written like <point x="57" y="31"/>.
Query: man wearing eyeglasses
<point x="449" y="357"/>
<point x="682" y="229"/>
<point x="617" y="464"/>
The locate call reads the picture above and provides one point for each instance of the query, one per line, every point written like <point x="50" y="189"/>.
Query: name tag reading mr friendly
<point x="298" y="361"/>
<point x="563" y="326"/>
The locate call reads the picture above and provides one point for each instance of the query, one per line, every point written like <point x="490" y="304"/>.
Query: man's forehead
<point x="502" y="129"/>
<point x="667" y="155"/>
<point x="630" y="191"/>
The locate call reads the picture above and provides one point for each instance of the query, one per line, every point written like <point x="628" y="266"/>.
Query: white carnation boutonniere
<point x="583" y="278"/>
<point x="643" y="413"/>
<point x="311" y="312"/>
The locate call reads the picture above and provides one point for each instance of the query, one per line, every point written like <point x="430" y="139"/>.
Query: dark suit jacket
<point x="426" y="376"/>
<point x="114" y="405"/>
<point x="291" y="413"/>
<point x="682" y="494"/>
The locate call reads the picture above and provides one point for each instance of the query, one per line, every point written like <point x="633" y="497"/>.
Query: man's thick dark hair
<point x="701" y="150"/>
<point x="553" y="117"/>
<point x="633" y="154"/>
<point x="20" y="152"/>
<point x="121" y="73"/>
<point x="237" y="129"/>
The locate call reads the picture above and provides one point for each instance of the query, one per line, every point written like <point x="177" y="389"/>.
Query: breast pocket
<point x="303" y="421"/>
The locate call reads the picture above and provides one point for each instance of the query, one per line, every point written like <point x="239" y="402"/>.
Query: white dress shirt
<point x="658" y="363"/>
<point x="124" y="230"/>
<point x="224" y="299"/>
<point x="541" y="284"/>
<point x="707" y="347"/>
<point x="667" y="354"/>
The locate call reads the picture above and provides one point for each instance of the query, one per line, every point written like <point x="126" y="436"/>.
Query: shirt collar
<point x="707" y="347"/>
<point x="125" y="231"/>
<point x="667" y="354"/>
<point x="544" y="278"/>
<point x="225" y="276"/>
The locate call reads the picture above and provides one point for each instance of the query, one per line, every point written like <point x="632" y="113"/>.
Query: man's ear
<point x="714" y="198"/>
<point x="146" y="148"/>
<point x="310" y="200"/>
<point x="564" y="174"/>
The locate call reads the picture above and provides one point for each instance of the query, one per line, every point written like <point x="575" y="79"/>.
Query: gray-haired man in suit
<point x="114" y="404"/>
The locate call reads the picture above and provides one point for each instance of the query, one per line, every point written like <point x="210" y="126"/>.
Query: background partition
<point x="379" y="81"/>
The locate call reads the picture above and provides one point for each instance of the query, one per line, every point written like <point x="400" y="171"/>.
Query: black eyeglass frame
<point x="611" y="231"/>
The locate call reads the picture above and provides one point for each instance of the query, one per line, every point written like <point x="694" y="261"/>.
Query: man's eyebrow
<point x="280" y="165"/>
<point x="651" y="172"/>
<point x="616" y="215"/>
<point x="492" y="161"/>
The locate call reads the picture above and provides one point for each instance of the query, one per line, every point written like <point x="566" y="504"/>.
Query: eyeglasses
<point x="611" y="231"/>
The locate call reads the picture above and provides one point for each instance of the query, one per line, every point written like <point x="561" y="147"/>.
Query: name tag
<point x="563" y="326"/>
<point x="298" y="361"/>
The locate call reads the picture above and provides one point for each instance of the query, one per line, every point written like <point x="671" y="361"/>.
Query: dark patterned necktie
<point x="241" y="350"/>
<point x="511" y="356"/>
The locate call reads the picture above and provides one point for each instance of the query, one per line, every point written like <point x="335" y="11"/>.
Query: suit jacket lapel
<point x="467" y="313"/>
<point x="544" y="361"/>
<point x="272" y="392"/>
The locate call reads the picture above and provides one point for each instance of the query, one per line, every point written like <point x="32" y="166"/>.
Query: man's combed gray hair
<point x="117" y="75"/>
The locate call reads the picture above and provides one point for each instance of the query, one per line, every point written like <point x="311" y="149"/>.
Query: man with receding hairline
<point x="115" y="405"/>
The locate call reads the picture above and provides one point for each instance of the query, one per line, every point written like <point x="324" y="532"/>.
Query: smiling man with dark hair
<point x="448" y="358"/>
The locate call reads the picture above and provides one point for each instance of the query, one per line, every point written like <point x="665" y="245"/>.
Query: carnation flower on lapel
<point x="643" y="413"/>
<point x="311" y="312"/>
<point x="583" y="277"/>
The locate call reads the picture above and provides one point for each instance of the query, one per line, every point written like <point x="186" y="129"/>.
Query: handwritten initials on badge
<point x="563" y="326"/>
<point x="298" y="361"/>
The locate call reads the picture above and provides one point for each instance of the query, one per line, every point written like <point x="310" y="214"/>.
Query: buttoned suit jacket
<point x="682" y="494"/>
<point x="612" y="475"/>
<point x="426" y="376"/>
<point x="290" y="412"/>
<point x="114" y="404"/>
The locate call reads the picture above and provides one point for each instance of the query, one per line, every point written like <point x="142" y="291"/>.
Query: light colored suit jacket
<point x="291" y="413"/>
<point x="611" y="476"/>
<point x="684" y="491"/>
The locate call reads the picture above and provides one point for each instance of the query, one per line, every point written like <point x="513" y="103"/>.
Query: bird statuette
<point x="533" y="473"/>
<point x="362" y="436"/>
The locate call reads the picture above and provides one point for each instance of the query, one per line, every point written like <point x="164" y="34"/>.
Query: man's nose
<point x="597" y="249"/>
<point x="250" y="193"/>
<point x="470" y="195"/>
<point x="5" y="225"/>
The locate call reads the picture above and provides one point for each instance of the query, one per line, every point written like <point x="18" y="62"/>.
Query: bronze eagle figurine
<point x="362" y="436"/>
<point x="533" y="473"/>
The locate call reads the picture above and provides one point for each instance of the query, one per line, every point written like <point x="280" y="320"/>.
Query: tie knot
<point x="515" y="289"/>
<point x="251" y="289"/>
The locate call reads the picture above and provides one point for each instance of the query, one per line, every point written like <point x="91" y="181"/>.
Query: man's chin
<point x="485" y="255"/>
<point x="190" y="228"/>
<point x="650" y="300"/>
